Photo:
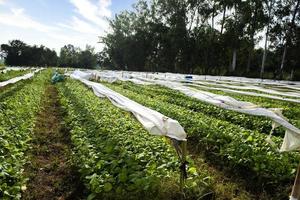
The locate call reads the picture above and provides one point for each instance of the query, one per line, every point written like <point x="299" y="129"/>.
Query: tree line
<point x="254" y="38"/>
<point x="18" y="53"/>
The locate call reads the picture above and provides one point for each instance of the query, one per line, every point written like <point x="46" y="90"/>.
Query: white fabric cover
<point x="234" y="83"/>
<point x="153" y="121"/>
<point x="252" y="87"/>
<point x="292" y="135"/>
<point x="16" y="79"/>
<point x="6" y="69"/>
<point x="220" y="80"/>
<point x="293" y="198"/>
<point x="250" y="93"/>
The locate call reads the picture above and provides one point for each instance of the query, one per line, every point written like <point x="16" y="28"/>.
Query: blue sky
<point x="54" y="23"/>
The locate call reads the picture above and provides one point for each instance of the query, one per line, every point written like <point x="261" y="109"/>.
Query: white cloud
<point x="17" y="17"/>
<point x="17" y="24"/>
<point x="93" y="13"/>
<point x="80" y="26"/>
<point x="52" y="39"/>
<point x="2" y="2"/>
<point x="103" y="8"/>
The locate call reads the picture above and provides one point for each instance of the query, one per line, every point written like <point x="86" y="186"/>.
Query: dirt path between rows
<point x="50" y="172"/>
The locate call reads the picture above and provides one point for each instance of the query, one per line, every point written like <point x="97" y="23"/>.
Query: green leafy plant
<point x="116" y="157"/>
<point x="17" y="119"/>
<point x="224" y="143"/>
<point x="12" y="74"/>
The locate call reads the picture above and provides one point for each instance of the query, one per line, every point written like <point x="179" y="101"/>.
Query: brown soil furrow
<point x="50" y="172"/>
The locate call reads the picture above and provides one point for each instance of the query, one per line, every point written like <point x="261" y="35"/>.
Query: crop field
<point x="6" y="75"/>
<point x="66" y="141"/>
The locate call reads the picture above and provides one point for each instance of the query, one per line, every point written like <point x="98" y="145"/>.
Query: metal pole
<point x="296" y="188"/>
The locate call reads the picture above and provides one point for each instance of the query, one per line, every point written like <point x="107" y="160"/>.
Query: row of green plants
<point x="17" y="118"/>
<point x="11" y="89"/>
<point x="116" y="157"/>
<point x="12" y="74"/>
<point x="266" y="103"/>
<point x="241" y="150"/>
<point x="200" y="86"/>
<point x="161" y="93"/>
<point x="290" y="110"/>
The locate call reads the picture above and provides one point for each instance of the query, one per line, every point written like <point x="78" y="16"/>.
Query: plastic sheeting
<point x="257" y="88"/>
<point x="292" y="136"/>
<point x="6" y="69"/>
<point x="236" y="83"/>
<point x="267" y="85"/>
<point x="250" y="93"/>
<point x="291" y="140"/>
<point x="16" y="79"/>
<point x="153" y="121"/>
<point x="145" y="78"/>
<point x="294" y="85"/>
<point x="244" y="80"/>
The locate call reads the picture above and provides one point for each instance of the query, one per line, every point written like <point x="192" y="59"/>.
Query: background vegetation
<point x="253" y="38"/>
<point x="18" y="53"/>
<point x="216" y="37"/>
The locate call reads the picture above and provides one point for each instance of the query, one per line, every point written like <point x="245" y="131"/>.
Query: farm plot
<point x="12" y="74"/>
<point x="11" y="89"/>
<point x="224" y="142"/>
<point x="113" y="154"/>
<point x="289" y="109"/>
<point x="260" y="124"/>
<point x="63" y="141"/>
<point x="116" y="157"/>
<point x="18" y="106"/>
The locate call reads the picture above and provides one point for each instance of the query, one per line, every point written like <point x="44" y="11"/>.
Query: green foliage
<point x="17" y="53"/>
<point x="12" y="74"/>
<point x="160" y="93"/>
<point x="182" y="36"/>
<point x="242" y="150"/>
<point x="289" y="109"/>
<point x="116" y="157"/>
<point x="17" y="119"/>
<point x="71" y="56"/>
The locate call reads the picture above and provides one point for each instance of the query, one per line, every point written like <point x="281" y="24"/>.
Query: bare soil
<point x="50" y="171"/>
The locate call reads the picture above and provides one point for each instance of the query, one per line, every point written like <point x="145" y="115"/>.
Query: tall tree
<point x="17" y="53"/>
<point x="182" y="36"/>
<point x="268" y="8"/>
<point x="254" y="17"/>
<point x="289" y="33"/>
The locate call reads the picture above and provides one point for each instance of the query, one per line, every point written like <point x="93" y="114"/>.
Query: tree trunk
<point x="249" y="60"/>
<point x="288" y="35"/>
<point x="283" y="57"/>
<point x="192" y="20"/>
<point x="262" y="69"/>
<point x="252" y="39"/>
<point x="223" y="18"/>
<point x="292" y="74"/>
<point x="213" y="17"/>
<point x="233" y="64"/>
<point x="212" y="22"/>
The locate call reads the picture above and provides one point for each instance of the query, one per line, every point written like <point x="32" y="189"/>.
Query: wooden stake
<point x="183" y="163"/>
<point x="296" y="187"/>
